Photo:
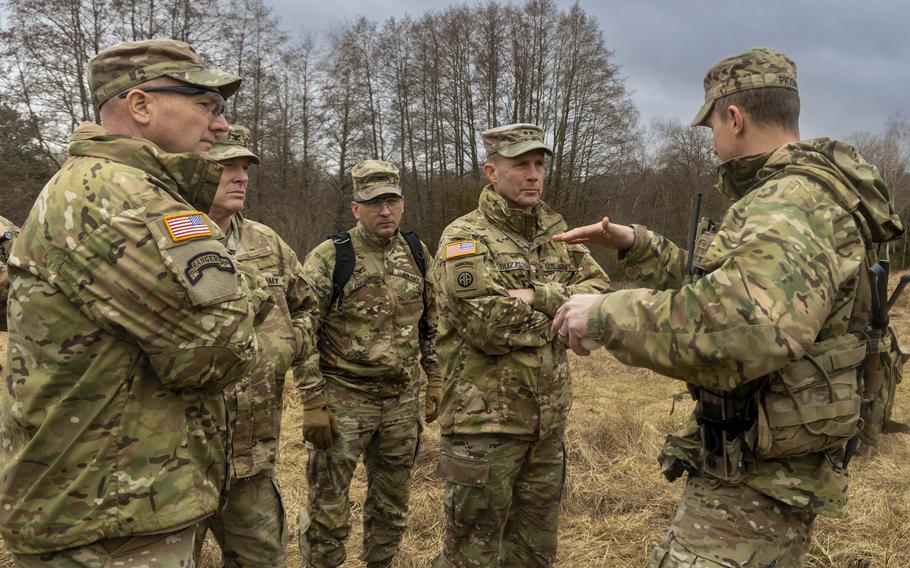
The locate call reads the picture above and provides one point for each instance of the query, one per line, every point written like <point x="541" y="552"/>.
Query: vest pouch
<point x="726" y="464"/>
<point x="813" y="404"/>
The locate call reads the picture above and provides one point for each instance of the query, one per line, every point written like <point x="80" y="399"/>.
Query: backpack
<point x="344" y="268"/>
<point x="861" y="192"/>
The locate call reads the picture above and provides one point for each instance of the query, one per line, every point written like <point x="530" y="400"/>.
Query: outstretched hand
<point x="605" y="233"/>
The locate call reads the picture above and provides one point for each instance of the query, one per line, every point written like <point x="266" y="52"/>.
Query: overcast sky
<point x="853" y="57"/>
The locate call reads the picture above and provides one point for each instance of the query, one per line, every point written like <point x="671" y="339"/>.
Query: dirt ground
<point x="616" y="503"/>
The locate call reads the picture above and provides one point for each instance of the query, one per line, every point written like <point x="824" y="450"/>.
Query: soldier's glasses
<point x="214" y="106"/>
<point x="378" y="203"/>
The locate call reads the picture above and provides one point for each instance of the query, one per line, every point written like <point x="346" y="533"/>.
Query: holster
<point x="726" y="421"/>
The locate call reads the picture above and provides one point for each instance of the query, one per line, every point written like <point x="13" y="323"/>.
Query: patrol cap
<point x="125" y="65"/>
<point x="373" y="178"/>
<point x="514" y="140"/>
<point x="232" y="144"/>
<point x="755" y="68"/>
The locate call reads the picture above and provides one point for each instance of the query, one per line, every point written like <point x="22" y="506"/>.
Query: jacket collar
<point x="190" y="176"/>
<point x="528" y="225"/>
<point x="738" y="176"/>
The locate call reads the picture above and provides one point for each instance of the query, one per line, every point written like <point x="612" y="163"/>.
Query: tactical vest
<point x="840" y="392"/>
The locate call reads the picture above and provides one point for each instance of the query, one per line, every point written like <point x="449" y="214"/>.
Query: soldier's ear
<point x="735" y="120"/>
<point x="489" y="169"/>
<point x="138" y="104"/>
<point x="355" y="209"/>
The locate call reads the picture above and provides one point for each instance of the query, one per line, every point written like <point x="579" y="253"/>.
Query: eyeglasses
<point x="377" y="203"/>
<point x="214" y="107"/>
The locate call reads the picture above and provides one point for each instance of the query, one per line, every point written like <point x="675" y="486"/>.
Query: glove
<point x="433" y="398"/>
<point x="319" y="425"/>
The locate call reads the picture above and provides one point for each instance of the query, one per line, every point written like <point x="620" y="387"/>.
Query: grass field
<point x="617" y="504"/>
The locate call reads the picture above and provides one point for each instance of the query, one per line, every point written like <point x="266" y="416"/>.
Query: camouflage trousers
<point x="733" y="526"/>
<point x="166" y="550"/>
<point x="251" y="528"/>
<point x="501" y="500"/>
<point x="385" y="432"/>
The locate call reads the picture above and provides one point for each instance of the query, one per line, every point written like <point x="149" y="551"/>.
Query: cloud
<point x="851" y="56"/>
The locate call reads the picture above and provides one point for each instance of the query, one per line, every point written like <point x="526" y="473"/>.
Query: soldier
<point x="500" y="279"/>
<point x="375" y="314"/>
<point x="128" y="318"/>
<point x="770" y="338"/>
<point x="8" y="232"/>
<point x="250" y="527"/>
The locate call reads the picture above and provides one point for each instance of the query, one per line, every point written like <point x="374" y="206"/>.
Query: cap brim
<point x="222" y="153"/>
<point x="523" y="148"/>
<point x="702" y="116"/>
<point x="374" y="192"/>
<point x="225" y="83"/>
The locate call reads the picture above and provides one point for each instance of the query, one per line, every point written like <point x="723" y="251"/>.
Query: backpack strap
<point x="417" y="253"/>
<point x="416" y="250"/>
<point x="344" y="266"/>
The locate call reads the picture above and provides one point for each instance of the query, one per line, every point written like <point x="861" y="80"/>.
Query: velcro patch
<point x="461" y="248"/>
<point x="558" y="266"/>
<point x="205" y="260"/>
<point x="464" y="276"/>
<point x="406" y="275"/>
<point x="185" y="226"/>
<point x="505" y="266"/>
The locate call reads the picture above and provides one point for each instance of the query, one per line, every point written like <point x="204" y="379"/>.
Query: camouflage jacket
<point x="8" y="232"/>
<point x="782" y="274"/>
<point x="254" y="403"/>
<point x="125" y="329"/>
<point x="371" y="342"/>
<point x="504" y="371"/>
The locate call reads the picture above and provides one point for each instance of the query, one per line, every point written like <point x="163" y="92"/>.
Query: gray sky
<point x="853" y="57"/>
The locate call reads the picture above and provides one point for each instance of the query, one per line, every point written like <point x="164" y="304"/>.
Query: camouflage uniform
<point x="782" y="275"/>
<point x="250" y="526"/>
<point x="366" y="364"/>
<point x="8" y="232"/>
<point x="507" y="390"/>
<point x="127" y="318"/>
<point x="149" y="551"/>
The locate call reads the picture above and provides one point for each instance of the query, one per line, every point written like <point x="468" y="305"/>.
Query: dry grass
<point x="616" y="502"/>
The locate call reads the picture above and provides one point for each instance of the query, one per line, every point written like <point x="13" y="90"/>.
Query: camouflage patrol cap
<point x="125" y="65"/>
<point x="232" y="144"/>
<point x="514" y="140"/>
<point x="373" y="178"/>
<point x="755" y="68"/>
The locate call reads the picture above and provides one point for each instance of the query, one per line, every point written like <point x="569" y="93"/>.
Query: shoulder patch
<point x="204" y="260"/>
<point x="185" y="226"/>
<point x="460" y="248"/>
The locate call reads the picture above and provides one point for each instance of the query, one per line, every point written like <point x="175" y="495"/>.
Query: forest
<point x="416" y="90"/>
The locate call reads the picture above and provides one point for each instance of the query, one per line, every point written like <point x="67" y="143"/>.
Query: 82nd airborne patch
<point x="464" y="276"/>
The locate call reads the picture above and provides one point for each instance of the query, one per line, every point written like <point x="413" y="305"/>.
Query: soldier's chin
<point x="386" y="229"/>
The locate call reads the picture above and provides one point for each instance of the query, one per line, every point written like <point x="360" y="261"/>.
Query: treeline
<point x="415" y="90"/>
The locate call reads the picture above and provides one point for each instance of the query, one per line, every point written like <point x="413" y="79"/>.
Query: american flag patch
<point x="461" y="248"/>
<point x="187" y="226"/>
